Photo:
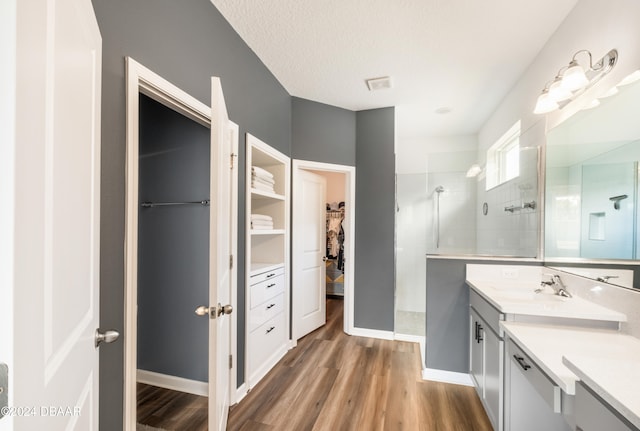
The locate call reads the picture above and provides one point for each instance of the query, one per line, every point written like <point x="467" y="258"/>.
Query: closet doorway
<point x="181" y="212"/>
<point x="323" y="233"/>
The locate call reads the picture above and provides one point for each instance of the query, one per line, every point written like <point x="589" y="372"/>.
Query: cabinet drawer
<point x="548" y="390"/>
<point x="261" y="292"/>
<point x="594" y="414"/>
<point x="257" y="278"/>
<point x="488" y="313"/>
<point x="265" y="311"/>
<point x="266" y="340"/>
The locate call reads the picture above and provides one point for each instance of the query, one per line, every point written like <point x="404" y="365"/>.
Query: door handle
<point x="226" y="309"/>
<point x="106" y="337"/>
<point x="324" y="258"/>
<point x="203" y="310"/>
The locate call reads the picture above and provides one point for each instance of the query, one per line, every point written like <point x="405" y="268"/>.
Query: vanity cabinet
<point x="594" y="414"/>
<point x="267" y="259"/>
<point x="533" y="401"/>
<point x="486" y="357"/>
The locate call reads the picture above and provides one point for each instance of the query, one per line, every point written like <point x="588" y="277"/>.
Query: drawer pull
<point x="270" y="306"/>
<point x="270" y="329"/>
<point x="270" y="285"/>
<point x="270" y="275"/>
<point x="522" y="363"/>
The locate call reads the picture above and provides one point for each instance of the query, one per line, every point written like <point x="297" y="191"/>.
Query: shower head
<point x="439" y="189"/>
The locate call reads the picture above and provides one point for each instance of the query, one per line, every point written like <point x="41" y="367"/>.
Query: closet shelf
<point x="267" y="231"/>
<point x="259" y="194"/>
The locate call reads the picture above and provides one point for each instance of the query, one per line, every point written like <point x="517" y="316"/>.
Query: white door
<point x="220" y="274"/>
<point x="57" y="216"/>
<point x="309" y="249"/>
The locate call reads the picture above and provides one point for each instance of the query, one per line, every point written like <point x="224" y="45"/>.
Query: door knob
<point x="106" y="337"/>
<point x="203" y="310"/>
<point x="324" y="258"/>
<point x="227" y="309"/>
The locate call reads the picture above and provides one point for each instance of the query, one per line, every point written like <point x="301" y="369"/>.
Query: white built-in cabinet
<point x="267" y="262"/>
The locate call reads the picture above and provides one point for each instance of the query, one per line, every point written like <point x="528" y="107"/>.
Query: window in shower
<point x="503" y="158"/>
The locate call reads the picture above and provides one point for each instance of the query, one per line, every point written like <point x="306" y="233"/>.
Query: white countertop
<point x="605" y="360"/>
<point x="518" y="297"/>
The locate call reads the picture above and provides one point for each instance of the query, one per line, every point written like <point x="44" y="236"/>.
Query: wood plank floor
<point x="334" y="382"/>
<point x="171" y="410"/>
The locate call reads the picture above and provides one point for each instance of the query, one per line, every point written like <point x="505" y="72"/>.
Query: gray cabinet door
<point x="592" y="414"/>
<point x="477" y="353"/>
<point x="492" y="383"/>
<point x="527" y="409"/>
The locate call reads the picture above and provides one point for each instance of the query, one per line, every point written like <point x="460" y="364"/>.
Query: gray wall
<point x="173" y="243"/>
<point x="186" y="42"/>
<point x="448" y="312"/>
<point x="375" y="220"/>
<point x="322" y="133"/>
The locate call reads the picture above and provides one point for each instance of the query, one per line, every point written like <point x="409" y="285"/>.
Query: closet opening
<point x="323" y="226"/>
<point x="173" y="267"/>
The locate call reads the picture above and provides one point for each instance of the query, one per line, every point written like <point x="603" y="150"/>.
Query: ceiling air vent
<point x="381" y="83"/>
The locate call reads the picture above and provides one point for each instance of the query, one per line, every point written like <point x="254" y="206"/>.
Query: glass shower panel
<point x="608" y="210"/>
<point x="413" y="206"/>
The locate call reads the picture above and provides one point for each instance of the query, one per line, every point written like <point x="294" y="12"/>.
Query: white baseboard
<point x="241" y="392"/>
<point x="409" y="338"/>
<point x="372" y="333"/>
<point x="447" y="377"/>
<point x="172" y="382"/>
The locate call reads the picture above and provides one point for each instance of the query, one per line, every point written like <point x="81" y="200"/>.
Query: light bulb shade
<point x="545" y="104"/>
<point x="557" y="92"/>
<point x="574" y="77"/>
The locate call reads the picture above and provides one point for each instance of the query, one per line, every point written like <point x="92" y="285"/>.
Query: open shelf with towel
<point x="267" y="257"/>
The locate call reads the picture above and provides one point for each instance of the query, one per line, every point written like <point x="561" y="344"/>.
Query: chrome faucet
<point x="557" y="285"/>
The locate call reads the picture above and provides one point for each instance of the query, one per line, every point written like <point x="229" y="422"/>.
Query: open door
<point x="56" y="236"/>
<point x="222" y="237"/>
<point x="309" y="249"/>
<point x="221" y="259"/>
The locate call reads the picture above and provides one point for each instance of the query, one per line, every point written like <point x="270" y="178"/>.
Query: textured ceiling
<point x="460" y="54"/>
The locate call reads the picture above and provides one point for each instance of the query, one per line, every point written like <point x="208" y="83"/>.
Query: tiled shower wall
<point x="502" y="232"/>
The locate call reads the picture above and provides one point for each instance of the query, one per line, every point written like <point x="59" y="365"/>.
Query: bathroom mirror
<point x="591" y="190"/>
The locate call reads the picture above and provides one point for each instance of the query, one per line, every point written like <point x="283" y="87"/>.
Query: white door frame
<point x="348" y="224"/>
<point x="233" y="377"/>
<point x="139" y="79"/>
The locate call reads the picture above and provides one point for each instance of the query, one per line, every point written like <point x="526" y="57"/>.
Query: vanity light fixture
<point x="573" y="80"/>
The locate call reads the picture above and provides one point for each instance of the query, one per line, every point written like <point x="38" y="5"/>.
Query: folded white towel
<point x="261" y="226"/>
<point x="264" y="217"/>
<point x="263" y="187"/>
<point x="257" y="170"/>
<point x="261" y="223"/>
<point x="264" y="180"/>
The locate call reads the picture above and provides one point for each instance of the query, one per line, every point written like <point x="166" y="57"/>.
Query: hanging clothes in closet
<point x="335" y="248"/>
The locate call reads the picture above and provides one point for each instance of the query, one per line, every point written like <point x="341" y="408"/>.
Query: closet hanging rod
<point x="166" y="204"/>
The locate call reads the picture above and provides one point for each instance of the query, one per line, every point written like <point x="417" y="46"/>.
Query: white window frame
<point x="500" y="168"/>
